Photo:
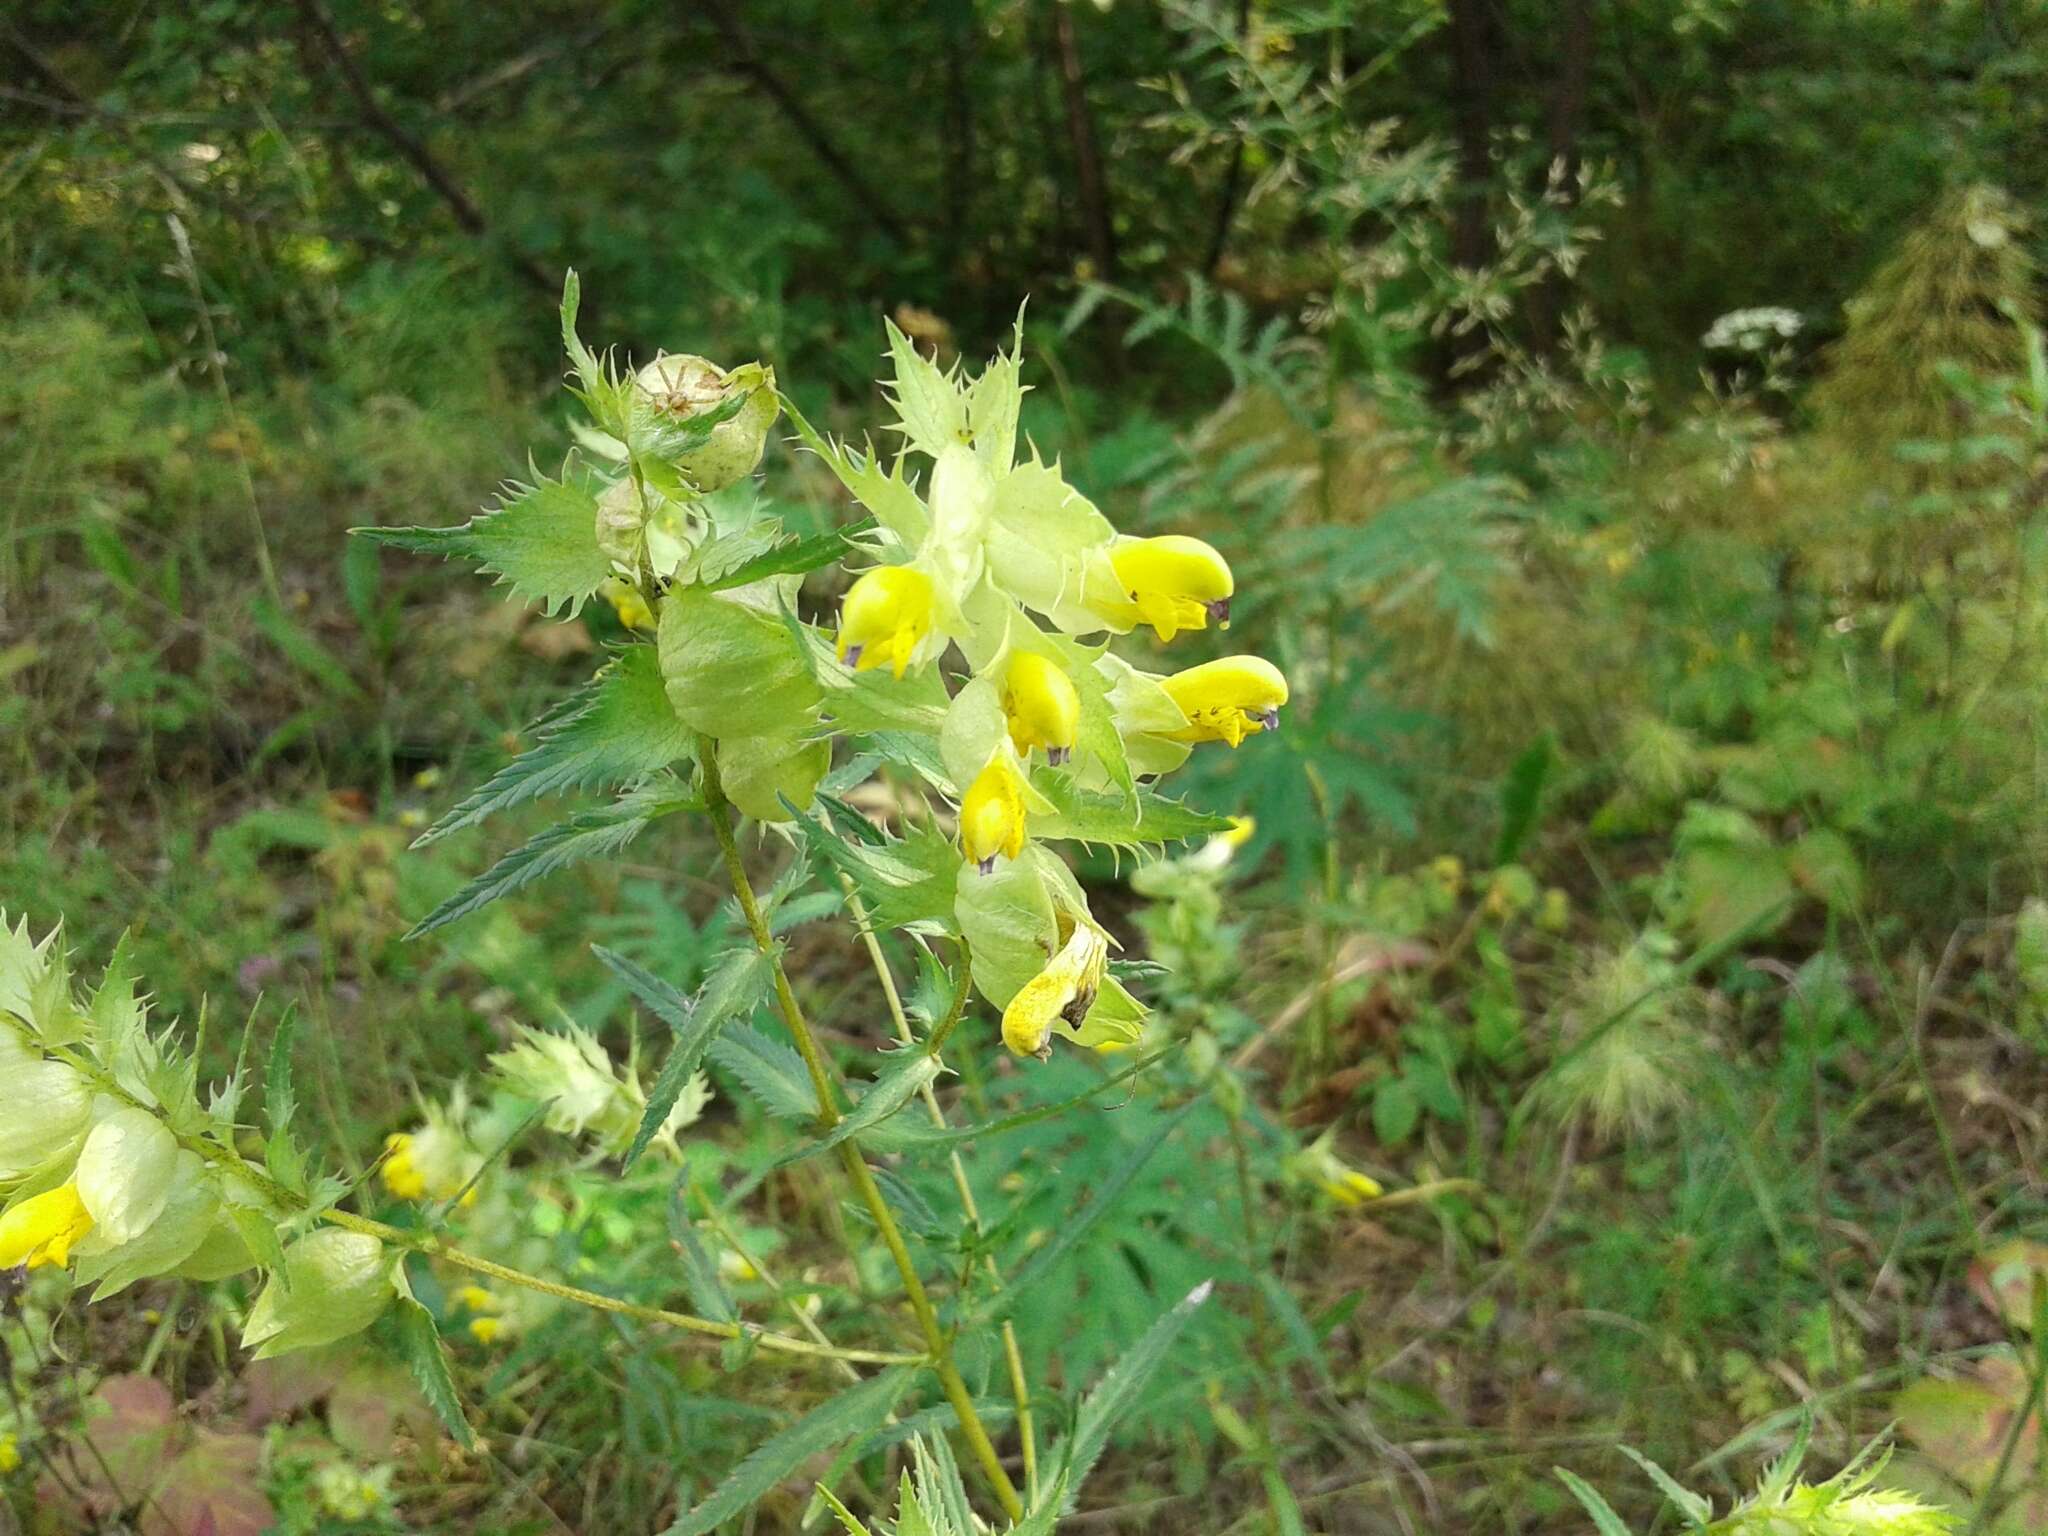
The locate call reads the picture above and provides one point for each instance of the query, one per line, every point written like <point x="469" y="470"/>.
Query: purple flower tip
<point x="853" y="655"/>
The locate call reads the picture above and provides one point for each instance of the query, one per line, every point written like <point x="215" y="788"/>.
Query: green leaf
<point x="883" y="1098"/>
<point x="541" y="539"/>
<point x="593" y="834"/>
<point x="1046" y="1259"/>
<point x="731" y="669"/>
<point x="926" y="1138"/>
<point x="420" y="1341"/>
<point x="617" y="728"/>
<point x="1605" y="1520"/>
<point x="1091" y="816"/>
<point x="736" y="984"/>
<point x="1521" y="797"/>
<point x="855" y="1412"/>
<point x="303" y="651"/>
<point x="1696" y="1509"/>
<point x="886" y="493"/>
<point x="701" y="1280"/>
<point x="602" y="392"/>
<point x="771" y="1071"/>
<point x="1115" y="1393"/>
<point x="902" y="880"/>
<point x="281" y="1154"/>
<point x="797" y="557"/>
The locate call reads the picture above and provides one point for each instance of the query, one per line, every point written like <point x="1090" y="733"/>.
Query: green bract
<point x="125" y="1171"/>
<point x="48" y="1105"/>
<point x="334" y="1284"/>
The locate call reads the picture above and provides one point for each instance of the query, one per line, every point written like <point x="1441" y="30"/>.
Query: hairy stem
<point x="1013" y="1357"/>
<point x="857" y="1172"/>
<point x="437" y="1247"/>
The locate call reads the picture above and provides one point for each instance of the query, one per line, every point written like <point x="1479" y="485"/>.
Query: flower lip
<point x="885" y="618"/>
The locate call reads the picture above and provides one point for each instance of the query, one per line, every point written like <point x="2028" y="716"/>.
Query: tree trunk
<point x="1092" y="184"/>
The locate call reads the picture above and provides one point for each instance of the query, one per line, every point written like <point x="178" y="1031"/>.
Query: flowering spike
<point x="42" y="1229"/>
<point x="992" y="814"/>
<point x="1042" y="706"/>
<point x="886" y="616"/>
<point x="1176" y="582"/>
<point x="1228" y="699"/>
<point x="1064" y="991"/>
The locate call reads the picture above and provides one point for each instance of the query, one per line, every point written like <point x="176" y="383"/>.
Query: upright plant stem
<point x="1013" y="1357"/>
<point x="857" y="1172"/>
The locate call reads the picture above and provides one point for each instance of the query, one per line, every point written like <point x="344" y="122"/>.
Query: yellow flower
<point x="628" y="603"/>
<point x="485" y="1329"/>
<point x="992" y="815"/>
<point x="401" y="1175"/>
<point x="1318" y="1164"/>
<point x="1065" y="989"/>
<point x="1042" y="706"/>
<point x="42" y="1229"/>
<point x="477" y="1299"/>
<point x="1228" y="699"/>
<point x="1352" y="1187"/>
<point x="10" y="1453"/>
<point x="886" y="616"/>
<point x="1175" y="582"/>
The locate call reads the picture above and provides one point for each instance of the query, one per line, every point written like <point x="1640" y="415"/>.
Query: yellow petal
<point x="1065" y="989"/>
<point x="1174" y="581"/>
<point x="1228" y="699"/>
<point x="992" y="814"/>
<point x="1042" y="706"/>
<point x="886" y="616"/>
<point x="43" y="1228"/>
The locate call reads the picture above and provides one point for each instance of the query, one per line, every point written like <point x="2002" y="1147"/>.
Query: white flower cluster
<point x="1752" y="330"/>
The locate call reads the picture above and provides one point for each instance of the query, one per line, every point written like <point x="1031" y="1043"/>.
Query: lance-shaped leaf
<point x="735" y="986"/>
<point x="590" y="834"/>
<point x="1091" y="816"/>
<point x="857" y="1411"/>
<point x="901" y="881"/>
<point x="883" y="1098"/>
<point x="769" y="1070"/>
<point x="795" y="557"/>
<point x="419" y="1341"/>
<point x="1113" y="1396"/>
<point x="540" y="540"/>
<point x="617" y="728"/>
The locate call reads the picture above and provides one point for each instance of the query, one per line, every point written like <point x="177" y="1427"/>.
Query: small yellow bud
<point x="1042" y="706"/>
<point x="1176" y="582"/>
<point x="628" y="603"/>
<point x="43" y="1229"/>
<point x="886" y="616"/>
<point x="485" y="1329"/>
<point x="992" y="814"/>
<point x="1319" y="1164"/>
<point x="10" y="1453"/>
<point x="1228" y="699"/>
<point x="1065" y="989"/>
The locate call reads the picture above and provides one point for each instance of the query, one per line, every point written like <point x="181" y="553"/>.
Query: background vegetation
<point x="1629" y="427"/>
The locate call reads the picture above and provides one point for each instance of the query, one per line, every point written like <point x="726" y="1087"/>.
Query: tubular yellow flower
<point x="1065" y="989"/>
<point x="992" y="814"/>
<point x="485" y="1329"/>
<point x="42" y="1229"/>
<point x="1228" y="699"/>
<point x="1176" y="582"/>
<point x="1042" y="707"/>
<point x="886" y="615"/>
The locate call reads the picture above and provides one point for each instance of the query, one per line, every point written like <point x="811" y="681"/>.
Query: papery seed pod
<point x="334" y="1284"/>
<point x="125" y="1170"/>
<point x="48" y="1105"/>
<point x="682" y="386"/>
